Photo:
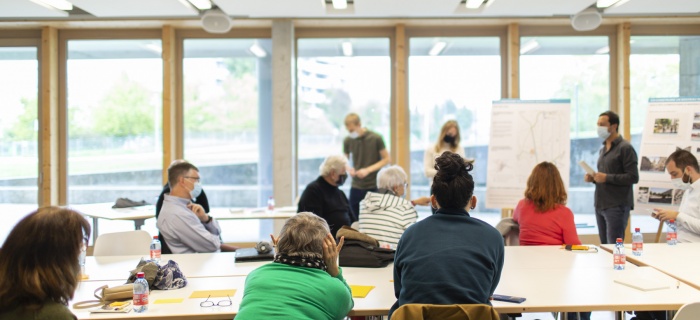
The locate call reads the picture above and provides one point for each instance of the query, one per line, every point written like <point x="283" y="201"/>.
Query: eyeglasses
<point x="222" y="303"/>
<point x="198" y="179"/>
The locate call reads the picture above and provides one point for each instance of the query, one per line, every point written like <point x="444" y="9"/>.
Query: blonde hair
<point x="443" y="132"/>
<point x="353" y="118"/>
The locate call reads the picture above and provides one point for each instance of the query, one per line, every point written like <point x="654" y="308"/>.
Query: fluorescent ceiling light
<point x="201" y="4"/>
<point x="347" y="48"/>
<point x="257" y="50"/>
<point x="474" y="4"/>
<point x="603" y="50"/>
<point x="437" y="48"/>
<point x="609" y="3"/>
<point x="529" y="46"/>
<point x="58" y="4"/>
<point x="340" y="4"/>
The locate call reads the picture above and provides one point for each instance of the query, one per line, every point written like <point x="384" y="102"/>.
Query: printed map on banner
<point x="671" y="124"/>
<point x="523" y="134"/>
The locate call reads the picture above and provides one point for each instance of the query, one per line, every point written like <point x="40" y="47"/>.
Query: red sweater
<point x="554" y="227"/>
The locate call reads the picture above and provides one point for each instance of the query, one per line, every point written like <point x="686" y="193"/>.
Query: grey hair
<point x="332" y="164"/>
<point x="390" y="177"/>
<point x="302" y="236"/>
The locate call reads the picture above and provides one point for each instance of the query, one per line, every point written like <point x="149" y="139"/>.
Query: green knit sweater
<point x="280" y="291"/>
<point x="49" y="311"/>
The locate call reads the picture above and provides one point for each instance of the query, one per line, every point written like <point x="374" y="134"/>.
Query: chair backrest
<point x="689" y="311"/>
<point x="123" y="244"/>
<point x="510" y="231"/>
<point x="445" y="312"/>
<point x="506" y="213"/>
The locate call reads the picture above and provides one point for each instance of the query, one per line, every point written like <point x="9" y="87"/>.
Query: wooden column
<point x="400" y="113"/>
<point x="621" y="86"/>
<point x="513" y="58"/>
<point x="172" y="110"/>
<point x="49" y="178"/>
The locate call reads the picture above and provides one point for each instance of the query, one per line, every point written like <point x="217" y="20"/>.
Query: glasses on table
<point x="222" y="303"/>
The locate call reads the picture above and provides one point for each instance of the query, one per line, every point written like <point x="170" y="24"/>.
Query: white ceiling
<point x="26" y="9"/>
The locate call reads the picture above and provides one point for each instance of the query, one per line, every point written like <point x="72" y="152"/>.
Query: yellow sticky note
<point x="213" y="293"/>
<point x="360" y="291"/>
<point x="165" y="301"/>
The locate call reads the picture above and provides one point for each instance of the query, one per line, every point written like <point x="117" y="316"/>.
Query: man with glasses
<point x="185" y="226"/>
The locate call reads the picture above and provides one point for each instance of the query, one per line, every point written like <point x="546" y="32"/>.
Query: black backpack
<point x="356" y="253"/>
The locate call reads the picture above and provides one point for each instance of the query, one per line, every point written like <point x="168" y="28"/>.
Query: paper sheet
<point x="586" y="167"/>
<point x="203" y="294"/>
<point x="166" y="301"/>
<point x="360" y="291"/>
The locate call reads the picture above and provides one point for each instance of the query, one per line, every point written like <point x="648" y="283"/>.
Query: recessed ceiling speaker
<point x="587" y="20"/>
<point x="216" y="21"/>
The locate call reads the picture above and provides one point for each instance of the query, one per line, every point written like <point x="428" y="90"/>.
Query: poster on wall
<point x="523" y="134"/>
<point x="671" y="124"/>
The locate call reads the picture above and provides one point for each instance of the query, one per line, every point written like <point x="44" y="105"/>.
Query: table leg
<point x="138" y="223"/>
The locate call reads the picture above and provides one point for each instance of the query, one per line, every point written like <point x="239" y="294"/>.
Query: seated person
<point x="385" y="214"/>
<point x="323" y="196"/>
<point x="543" y="216"/>
<point x="184" y="225"/>
<point x="449" y="257"/>
<point x="683" y="168"/>
<point x="297" y="284"/>
<point x="200" y="197"/>
<point x="39" y="269"/>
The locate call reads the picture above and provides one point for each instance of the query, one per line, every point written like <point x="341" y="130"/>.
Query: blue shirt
<point x="182" y="229"/>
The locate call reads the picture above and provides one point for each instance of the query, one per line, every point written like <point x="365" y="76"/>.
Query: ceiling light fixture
<point x="347" y="48"/>
<point x="55" y="4"/>
<point x="437" y="48"/>
<point x="257" y="50"/>
<point x="201" y="4"/>
<point x="474" y="4"/>
<point x="529" y="46"/>
<point x="340" y="4"/>
<point x="609" y="3"/>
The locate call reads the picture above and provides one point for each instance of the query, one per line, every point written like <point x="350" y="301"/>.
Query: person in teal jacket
<point x="304" y="281"/>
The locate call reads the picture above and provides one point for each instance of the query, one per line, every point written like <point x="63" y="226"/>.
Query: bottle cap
<point x="155" y="237"/>
<point x="618" y="240"/>
<point x="672" y="221"/>
<point x="636" y="229"/>
<point x="140" y="275"/>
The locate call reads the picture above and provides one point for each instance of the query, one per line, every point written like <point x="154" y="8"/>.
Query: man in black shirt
<point x="323" y="197"/>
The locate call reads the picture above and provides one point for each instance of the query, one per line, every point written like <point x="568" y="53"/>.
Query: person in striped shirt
<point x="386" y="213"/>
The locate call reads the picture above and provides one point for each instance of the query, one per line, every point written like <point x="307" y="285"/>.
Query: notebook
<point x="642" y="283"/>
<point x="250" y="254"/>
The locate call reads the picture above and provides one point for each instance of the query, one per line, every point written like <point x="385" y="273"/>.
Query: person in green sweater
<point x="39" y="268"/>
<point x="304" y="281"/>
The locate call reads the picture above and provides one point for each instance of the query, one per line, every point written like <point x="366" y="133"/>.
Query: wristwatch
<point x="209" y="220"/>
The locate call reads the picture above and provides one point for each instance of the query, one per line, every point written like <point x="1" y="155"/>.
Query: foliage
<point x="588" y="88"/>
<point x="23" y="129"/>
<point x="124" y="111"/>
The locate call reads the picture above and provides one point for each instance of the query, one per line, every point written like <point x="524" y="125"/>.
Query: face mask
<point x="678" y="183"/>
<point x="196" y="191"/>
<point x="353" y="135"/>
<point x="341" y="179"/>
<point x="449" y="139"/>
<point x="603" y="132"/>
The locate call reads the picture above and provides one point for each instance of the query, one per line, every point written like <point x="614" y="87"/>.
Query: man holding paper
<point x="617" y="172"/>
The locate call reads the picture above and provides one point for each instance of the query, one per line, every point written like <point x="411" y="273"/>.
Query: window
<point x="19" y="125"/>
<point x="114" y="109"/>
<point x="452" y="79"/>
<point x="575" y="68"/>
<point x="344" y="75"/>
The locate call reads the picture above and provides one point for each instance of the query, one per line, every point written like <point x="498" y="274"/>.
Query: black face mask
<point x="449" y="139"/>
<point x="341" y="179"/>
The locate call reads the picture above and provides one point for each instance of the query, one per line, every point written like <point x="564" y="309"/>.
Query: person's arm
<point x="499" y="266"/>
<point x="630" y="173"/>
<point x="199" y="236"/>
<point x="688" y="222"/>
<point x="410" y="217"/>
<point x="569" y="227"/>
<point x="429" y="163"/>
<point x="386" y="159"/>
<point x="228" y="248"/>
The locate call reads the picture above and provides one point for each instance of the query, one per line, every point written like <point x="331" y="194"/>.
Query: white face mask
<point x="603" y="132"/>
<point x="353" y="135"/>
<point x="679" y="184"/>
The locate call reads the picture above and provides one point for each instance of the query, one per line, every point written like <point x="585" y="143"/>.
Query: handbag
<point x="105" y="295"/>
<point x="361" y="250"/>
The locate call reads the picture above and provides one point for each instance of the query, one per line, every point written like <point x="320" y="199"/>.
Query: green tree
<point x="24" y="128"/>
<point x="124" y="111"/>
<point x="588" y="88"/>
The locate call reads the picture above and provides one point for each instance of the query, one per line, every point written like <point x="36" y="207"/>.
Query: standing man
<point x="683" y="168"/>
<point x="617" y="172"/>
<point x="368" y="153"/>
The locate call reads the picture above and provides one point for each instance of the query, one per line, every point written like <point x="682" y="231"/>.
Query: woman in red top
<point x="543" y="216"/>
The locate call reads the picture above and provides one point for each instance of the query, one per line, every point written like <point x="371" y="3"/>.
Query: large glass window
<point x="575" y="68"/>
<point x="452" y="79"/>
<point x="19" y="125"/>
<point x="114" y="113"/>
<point x="336" y="77"/>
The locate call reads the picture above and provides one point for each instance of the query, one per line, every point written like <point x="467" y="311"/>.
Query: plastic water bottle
<point x="619" y="255"/>
<point x="637" y="242"/>
<point x="140" y="293"/>
<point x="671" y="233"/>
<point x="270" y="204"/>
<point x="155" y="249"/>
<point x="81" y="262"/>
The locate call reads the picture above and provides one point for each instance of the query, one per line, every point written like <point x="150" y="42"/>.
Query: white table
<point x="548" y="257"/>
<point x="195" y="265"/>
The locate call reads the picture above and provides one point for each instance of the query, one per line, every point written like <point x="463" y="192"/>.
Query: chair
<point x="445" y="312"/>
<point x="123" y="244"/>
<point x="689" y="311"/>
<point x="659" y="231"/>
<point x="510" y="231"/>
<point x="507" y="213"/>
<point x="164" y="248"/>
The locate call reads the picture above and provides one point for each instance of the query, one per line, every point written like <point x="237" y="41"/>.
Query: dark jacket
<point x="326" y="201"/>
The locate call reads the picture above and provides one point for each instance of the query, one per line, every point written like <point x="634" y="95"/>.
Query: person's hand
<point x="664" y="215"/>
<point x="351" y="172"/>
<point x="274" y="240"/>
<point x="588" y="178"/>
<point x="600" y="177"/>
<point x="330" y="254"/>
<point x="362" y="173"/>
<point x="422" y="201"/>
<point x="199" y="211"/>
<point x="228" y="248"/>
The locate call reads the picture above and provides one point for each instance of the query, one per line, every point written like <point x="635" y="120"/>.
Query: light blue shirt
<point x="182" y="229"/>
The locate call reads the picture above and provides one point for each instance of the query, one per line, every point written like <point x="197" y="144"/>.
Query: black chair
<point x="164" y="249"/>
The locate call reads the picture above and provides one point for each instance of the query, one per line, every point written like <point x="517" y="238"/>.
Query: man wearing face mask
<point x="617" y="172"/>
<point x="323" y="196"/>
<point x="369" y="154"/>
<point x="184" y="225"/>
<point x="682" y="166"/>
<point x="386" y="213"/>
